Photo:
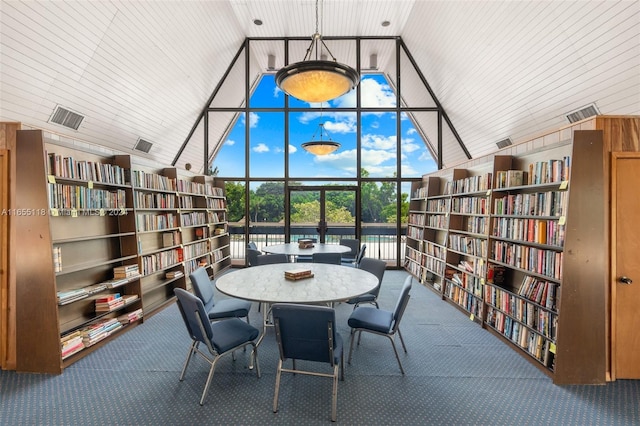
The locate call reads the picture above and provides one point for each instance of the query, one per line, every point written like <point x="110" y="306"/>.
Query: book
<point x="298" y="273"/>
<point x="304" y="243"/>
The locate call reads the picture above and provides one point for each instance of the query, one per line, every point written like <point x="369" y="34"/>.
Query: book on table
<point x="298" y="273"/>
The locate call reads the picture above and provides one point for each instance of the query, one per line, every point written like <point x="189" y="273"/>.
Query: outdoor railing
<point x="382" y="241"/>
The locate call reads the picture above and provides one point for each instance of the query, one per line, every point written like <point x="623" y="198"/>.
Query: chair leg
<point x="209" y="378"/>
<point x="254" y="358"/>
<point x="402" y="341"/>
<point x="192" y="348"/>
<point x="353" y="333"/>
<point x="277" y="391"/>
<point x="334" y="395"/>
<point x="396" y="352"/>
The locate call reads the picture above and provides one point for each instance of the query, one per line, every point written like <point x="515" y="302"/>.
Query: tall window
<point x="256" y="146"/>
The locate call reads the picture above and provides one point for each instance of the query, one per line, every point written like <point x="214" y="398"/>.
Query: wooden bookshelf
<point x="491" y="248"/>
<point x="86" y="217"/>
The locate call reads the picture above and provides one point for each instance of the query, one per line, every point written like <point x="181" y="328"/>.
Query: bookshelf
<point x="111" y="240"/>
<point x="512" y="233"/>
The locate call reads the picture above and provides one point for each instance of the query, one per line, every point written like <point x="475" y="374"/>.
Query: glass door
<point x="323" y="213"/>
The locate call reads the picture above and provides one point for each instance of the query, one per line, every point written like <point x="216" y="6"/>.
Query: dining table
<point x="294" y="249"/>
<point x="268" y="284"/>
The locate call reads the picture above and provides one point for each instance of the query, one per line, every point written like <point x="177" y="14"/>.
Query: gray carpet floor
<point x="456" y="374"/>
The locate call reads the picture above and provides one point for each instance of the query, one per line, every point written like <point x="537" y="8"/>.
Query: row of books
<point x="549" y="171"/>
<point x="539" y="291"/>
<point x="193" y="218"/>
<point x="63" y="196"/>
<point x="540" y="261"/>
<point x="468" y="245"/>
<point x="192" y="187"/>
<point x="469" y="184"/>
<point x="140" y="179"/>
<point x="534" y="316"/>
<point x="146" y="200"/>
<point x="551" y="203"/>
<point x="68" y="167"/>
<point x="421" y="193"/>
<point x="510" y="178"/>
<point x="538" y="231"/>
<point x="466" y="300"/>
<point x="155" y="222"/>
<point x="470" y="205"/>
<point x="440" y="205"/>
<point x="539" y="347"/>
<point x="162" y="260"/>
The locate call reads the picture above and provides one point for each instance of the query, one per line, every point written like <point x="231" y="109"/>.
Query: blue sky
<point x="378" y="137"/>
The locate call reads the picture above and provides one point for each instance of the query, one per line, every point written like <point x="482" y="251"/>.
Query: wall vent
<point x="504" y="143"/>
<point x="65" y="117"/>
<point x="582" y="113"/>
<point x="143" y="145"/>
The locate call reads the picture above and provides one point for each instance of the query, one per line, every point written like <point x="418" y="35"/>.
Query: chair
<point x="268" y="259"/>
<point x="354" y="245"/>
<point x="252" y="245"/>
<point x="220" y="338"/>
<point x="252" y="256"/>
<point x="221" y="309"/>
<point x="379" y="321"/>
<point x="307" y="332"/>
<point x="304" y="257"/>
<point x="356" y="263"/>
<point x="377" y="268"/>
<point x="332" y="258"/>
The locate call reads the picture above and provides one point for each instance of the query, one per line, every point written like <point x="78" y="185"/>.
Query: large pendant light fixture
<point x="315" y="79"/>
<point x="321" y="146"/>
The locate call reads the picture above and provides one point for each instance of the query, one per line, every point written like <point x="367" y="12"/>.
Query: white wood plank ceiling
<point x="146" y="68"/>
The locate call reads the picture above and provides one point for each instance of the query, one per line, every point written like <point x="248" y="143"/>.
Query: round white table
<point x="293" y="249"/>
<point x="267" y="284"/>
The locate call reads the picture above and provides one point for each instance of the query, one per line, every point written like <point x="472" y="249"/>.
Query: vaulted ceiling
<point x="145" y="69"/>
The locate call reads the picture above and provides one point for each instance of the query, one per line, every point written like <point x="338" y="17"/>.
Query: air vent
<point x="66" y="118"/>
<point x="582" y="113"/>
<point x="143" y="145"/>
<point x="504" y="143"/>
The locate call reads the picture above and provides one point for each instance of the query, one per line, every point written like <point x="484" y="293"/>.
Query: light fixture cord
<point x="317" y="42"/>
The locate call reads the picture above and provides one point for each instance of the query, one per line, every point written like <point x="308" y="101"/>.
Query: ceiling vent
<point x="504" y="143"/>
<point x="143" y="145"/>
<point x="65" y="117"/>
<point x="582" y="113"/>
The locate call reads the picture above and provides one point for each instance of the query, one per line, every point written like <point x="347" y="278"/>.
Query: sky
<point x="267" y="148"/>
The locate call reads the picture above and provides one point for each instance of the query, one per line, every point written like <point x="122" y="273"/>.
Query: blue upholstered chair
<point x="377" y="268"/>
<point x="217" y="309"/>
<point x="379" y="321"/>
<point x="252" y="256"/>
<point x="332" y="258"/>
<point x="252" y="245"/>
<point x="356" y="263"/>
<point x="308" y="332"/>
<point x="354" y="245"/>
<point x="220" y="338"/>
<point x="268" y="259"/>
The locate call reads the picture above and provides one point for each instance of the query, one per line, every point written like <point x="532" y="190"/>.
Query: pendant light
<point x="321" y="146"/>
<point x="315" y="79"/>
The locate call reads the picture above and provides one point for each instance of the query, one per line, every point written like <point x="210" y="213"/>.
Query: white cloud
<point x="412" y="131"/>
<point x="276" y="92"/>
<point x="230" y="142"/>
<point x="340" y="126"/>
<point x="378" y="141"/>
<point x="253" y="119"/>
<point x="292" y="149"/>
<point x="261" y="147"/>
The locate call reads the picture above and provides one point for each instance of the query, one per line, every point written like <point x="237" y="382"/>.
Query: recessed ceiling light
<point x="257" y="22"/>
<point x="385" y="23"/>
